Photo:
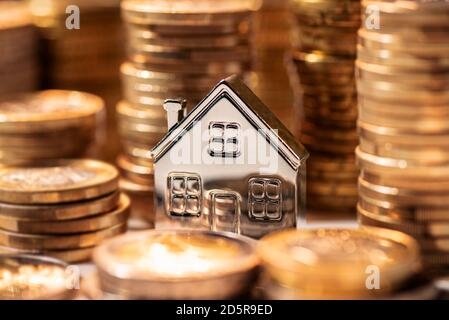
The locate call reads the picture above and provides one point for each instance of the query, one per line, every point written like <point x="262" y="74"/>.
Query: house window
<point x="265" y="199"/>
<point x="184" y="192"/>
<point x="224" y="139"/>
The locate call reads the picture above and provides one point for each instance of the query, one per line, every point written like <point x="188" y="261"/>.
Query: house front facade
<point x="229" y="165"/>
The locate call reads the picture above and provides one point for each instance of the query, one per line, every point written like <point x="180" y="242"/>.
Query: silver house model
<point x="229" y="165"/>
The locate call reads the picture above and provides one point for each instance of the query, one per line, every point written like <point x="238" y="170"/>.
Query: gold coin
<point x="408" y="6"/>
<point x="332" y="203"/>
<point x="57" y="181"/>
<point x="331" y="6"/>
<point x="48" y="110"/>
<point x="166" y="30"/>
<point x="402" y="195"/>
<point x="390" y="63"/>
<point x="68" y="256"/>
<point x="134" y="188"/>
<point x="412" y="110"/>
<point x="382" y="41"/>
<point x="126" y="269"/>
<point x="334" y="189"/>
<point x="405" y="211"/>
<point x="58" y="242"/>
<point x="419" y="136"/>
<point x="417" y="230"/>
<point x="176" y="13"/>
<point x="400" y="168"/>
<point x="141" y="38"/>
<point x="140" y="75"/>
<point x="25" y="277"/>
<point x="148" y="115"/>
<point x="105" y="220"/>
<point x="418" y="185"/>
<point x="60" y="211"/>
<point x="335" y="260"/>
<point x="138" y="150"/>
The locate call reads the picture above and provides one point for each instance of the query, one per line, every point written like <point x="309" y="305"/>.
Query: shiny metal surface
<point x="229" y="165"/>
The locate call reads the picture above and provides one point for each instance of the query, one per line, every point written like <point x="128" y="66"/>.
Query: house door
<point x="225" y="211"/>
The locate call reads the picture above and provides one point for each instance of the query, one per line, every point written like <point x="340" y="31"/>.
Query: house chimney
<point x="176" y="111"/>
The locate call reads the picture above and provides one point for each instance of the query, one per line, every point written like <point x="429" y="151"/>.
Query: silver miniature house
<point x="229" y="165"/>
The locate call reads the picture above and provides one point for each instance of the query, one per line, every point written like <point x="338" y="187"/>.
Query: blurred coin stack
<point x="403" y="82"/>
<point x="269" y="79"/>
<point x="324" y="59"/>
<point x="174" y="265"/>
<point x="18" y="49"/>
<point x="86" y="59"/>
<point x="61" y="209"/>
<point x="47" y="125"/>
<point x="179" y="48"/>
<point x="364" y="263"/>
<point x="23" y="277"/>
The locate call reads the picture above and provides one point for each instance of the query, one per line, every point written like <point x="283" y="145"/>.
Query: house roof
<point x="253" y="109"/>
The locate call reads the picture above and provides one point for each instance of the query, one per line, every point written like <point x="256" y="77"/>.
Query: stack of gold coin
<point x="176" y="265"/>
<point x="61" y="209"/>
<point x="179" y="48"/>
<point x="24" y="277"/>
<point x="364" y="263"/>
<point x="47" y="125"/>
<point x="86" y="59"/>
<point x="326" y="97"/>
<point x="269" y="79"/>
<point x="402" y="80"/>
<point x="18" y="49"/>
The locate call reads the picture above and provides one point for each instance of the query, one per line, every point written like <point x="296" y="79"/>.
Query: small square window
<point x="224" y="139"/>
<point x="265" y="199"/>
<point x="184" y="194"/>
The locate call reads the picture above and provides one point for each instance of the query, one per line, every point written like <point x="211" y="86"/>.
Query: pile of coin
<point x="24" y="277"/>
<point x="61" y="209"/>
<point x="402" y="80"/>
<point x="47" y="125"/>
<point x="18" y="49"/>
<point x="269" y="79"/>
<point x="364" y="263"/>
<point x="326" y="95"/>
<point x="175" y="49"/>
<point x="175" y="265"/>
<point x="86" y="59"/>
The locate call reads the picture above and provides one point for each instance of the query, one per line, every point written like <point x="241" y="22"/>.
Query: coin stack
<point x="18" y="49"/>
<point x="86" y="59"/>
<point x="179" y="48"/>
<point x="269" y="79"/>
<point x="364" y="263"/>
<point x="326" y="95"/>
<point x="61" y="209"/>
<point x="47" y="125"/>
<point x="402" y="81"/>
<point x="25" y="277"/>
<point x="174" y="265"/>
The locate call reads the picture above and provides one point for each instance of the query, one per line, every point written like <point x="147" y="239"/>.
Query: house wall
<point x="190" y="154"/>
